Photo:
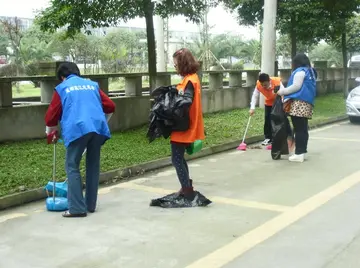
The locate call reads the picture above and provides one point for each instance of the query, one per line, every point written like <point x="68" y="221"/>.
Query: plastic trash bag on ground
<point x="177" y="200"/>
<point x="279" y="126"/>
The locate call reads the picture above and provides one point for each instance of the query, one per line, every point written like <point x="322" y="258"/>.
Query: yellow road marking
<point x="39" y="210"/>
<point x="239" y="246"/>
<point x="335" y="139"/>
<point x="249" y="204"/>
<point x="11" y="216"/>
<point x="216" y="199"/>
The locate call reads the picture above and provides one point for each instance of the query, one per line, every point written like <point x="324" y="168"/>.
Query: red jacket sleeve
<point x="54" y="112"/>
<point x="107" y="103"/>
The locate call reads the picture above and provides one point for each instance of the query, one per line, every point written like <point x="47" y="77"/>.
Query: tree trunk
<point x="149" y="11"/>
<point x="17" y="74"/>
<point x="344" y="54"/>
<point x="293" y="36"/>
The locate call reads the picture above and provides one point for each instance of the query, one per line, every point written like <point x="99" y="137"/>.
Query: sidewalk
<point x="255" y="201"/>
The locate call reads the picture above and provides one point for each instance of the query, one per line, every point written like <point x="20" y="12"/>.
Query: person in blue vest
<point x="299" y="96"/>
<point x="82" y="109"/>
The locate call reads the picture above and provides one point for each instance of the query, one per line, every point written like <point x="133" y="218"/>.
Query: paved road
<point x="266" y="213"/>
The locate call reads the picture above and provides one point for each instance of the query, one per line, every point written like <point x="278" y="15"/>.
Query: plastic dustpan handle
<point x="54" y="171"/>
<point x="247" y="127"/>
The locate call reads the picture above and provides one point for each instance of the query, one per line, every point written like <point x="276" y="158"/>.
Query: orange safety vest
<point x="269" y="92"/>
<point x="196" y="129"/>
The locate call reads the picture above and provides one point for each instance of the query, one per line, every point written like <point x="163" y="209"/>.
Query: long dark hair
<point x="301" y="60"/>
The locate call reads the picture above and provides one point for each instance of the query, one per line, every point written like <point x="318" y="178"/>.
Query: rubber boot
<point x="188" y="193"/>
<point x="181" y="191"/>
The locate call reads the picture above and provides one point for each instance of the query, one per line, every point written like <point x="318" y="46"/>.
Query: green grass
<point x="26" y="90"/>
<point x="29" y="163"/>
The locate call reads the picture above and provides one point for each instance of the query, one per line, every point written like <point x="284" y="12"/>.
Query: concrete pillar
<point x="235" y="79"/>
<point x="251" y="78"/>
<point x="47" y="90"/>
<point x="330" y="74"/>
<point x="160" y="44"/>
<point x="215" y="80"/>
<point x="103" y="83"/>
<point x="338" y="74"/>
<point x="268" y="50"/>
<point x="5" y="94"/>
<point x="321" y="74"/>
<point x="49" y="68"/>
<point x="353" y="73"/>
<point x="163" y="79"/>
<point x="321" y="69"/>
<point x="47" y="86"/>
<point x="133" y="86"/>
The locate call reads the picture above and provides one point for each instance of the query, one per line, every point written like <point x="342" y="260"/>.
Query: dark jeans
<point x="179" y="162"/>
<point x="93" y="143"/>
<point x="267" y="123"/>
<point x="288" y="128"/>
<point x="301" y="131"/>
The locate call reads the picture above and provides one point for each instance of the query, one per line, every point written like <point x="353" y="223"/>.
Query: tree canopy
<point x="308" y="21"/>
<point x="82" y="14"/>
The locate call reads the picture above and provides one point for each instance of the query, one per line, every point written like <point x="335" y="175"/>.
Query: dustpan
<point x="56" y="203"/>
<point x="61" y="188"/>
<point x="242" y="147"/>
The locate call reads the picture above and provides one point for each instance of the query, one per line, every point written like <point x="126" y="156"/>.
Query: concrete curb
<point x="119" y="175"/>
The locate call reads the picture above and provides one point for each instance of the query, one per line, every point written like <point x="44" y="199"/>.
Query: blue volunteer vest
<point x="82" y="110"/>
<point x="307" y="92"/>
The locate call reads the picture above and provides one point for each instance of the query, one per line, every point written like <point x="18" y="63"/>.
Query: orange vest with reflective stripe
<point x="269" y="92"/>
<point x="196" y="129"/>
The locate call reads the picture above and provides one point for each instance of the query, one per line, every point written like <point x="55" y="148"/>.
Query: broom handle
<point x="54" y="171"/>
<point x="247" y="126"/>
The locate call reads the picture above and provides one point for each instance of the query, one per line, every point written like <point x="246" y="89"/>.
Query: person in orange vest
<point x="187" y="66"/>
<point x="266" y="86"/>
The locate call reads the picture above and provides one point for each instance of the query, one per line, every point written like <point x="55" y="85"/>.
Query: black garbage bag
<point x="170" y="111"/>
<point x="177" y="200"/>
<point x="279" y="128"/>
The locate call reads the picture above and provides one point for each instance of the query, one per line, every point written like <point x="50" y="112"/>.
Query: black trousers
<point x="267" y="123"/>
<point x="288" y="129"/>
<point x="179" y="162"/>
<point x="301" y="131"/>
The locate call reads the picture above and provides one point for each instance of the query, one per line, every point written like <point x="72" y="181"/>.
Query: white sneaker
<point x="266" y="142"/>
<point x="297" y="158"/>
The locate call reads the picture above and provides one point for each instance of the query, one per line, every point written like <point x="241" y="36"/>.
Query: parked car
<point x="353" y="103"/>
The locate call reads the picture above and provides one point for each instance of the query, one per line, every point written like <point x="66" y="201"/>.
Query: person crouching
<point x="82" y="109"/>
